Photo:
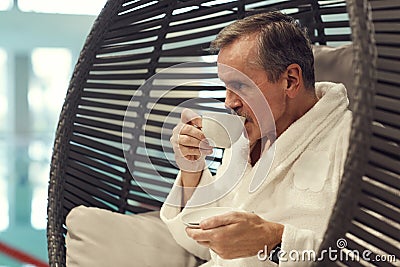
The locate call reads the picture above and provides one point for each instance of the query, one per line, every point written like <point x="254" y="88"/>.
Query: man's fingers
<point x="189" y="115"/>
<point x="190" y="151"/>
<point x="189" y="143"/>
<point x="185" y="135"/>
<point x="199" y="235"/>
<point x="189" y="130"/>
<point x="178" y="128"/>
<point x="187" y="140"/>
<point x="192" y="131"/>
<point x="221" y="220"/>
<point x="197" y="122"/>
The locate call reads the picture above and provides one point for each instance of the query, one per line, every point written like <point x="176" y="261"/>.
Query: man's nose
<point x="232" y="100"/>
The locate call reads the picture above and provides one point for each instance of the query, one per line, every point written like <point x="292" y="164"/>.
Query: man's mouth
<point x="247" y="119"/>
<point x="243" y="115"/>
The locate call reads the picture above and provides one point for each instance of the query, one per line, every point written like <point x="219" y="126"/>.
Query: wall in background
<point x="37" y="54"/>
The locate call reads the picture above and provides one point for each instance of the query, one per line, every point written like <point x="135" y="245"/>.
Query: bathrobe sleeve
<point x="171" y="215"/>
<point x="299" y="247"/>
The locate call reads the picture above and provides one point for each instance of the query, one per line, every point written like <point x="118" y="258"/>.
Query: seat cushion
<point x="98" y="237"/>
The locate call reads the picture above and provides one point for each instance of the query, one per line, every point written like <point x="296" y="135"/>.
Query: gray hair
<point x="281" y="41"/>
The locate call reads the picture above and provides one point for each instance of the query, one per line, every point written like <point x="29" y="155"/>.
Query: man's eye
<point x="237" y="86"/>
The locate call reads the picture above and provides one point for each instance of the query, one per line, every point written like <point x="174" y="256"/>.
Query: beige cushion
<point x="99" y="238"/>
<point x="335" y="64"/>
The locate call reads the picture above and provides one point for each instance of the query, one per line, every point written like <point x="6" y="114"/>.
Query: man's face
<point x="248" y="90"/>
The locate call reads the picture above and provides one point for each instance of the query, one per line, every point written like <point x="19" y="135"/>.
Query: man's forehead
<point x="227" y="73"/>
<point x="245" y="47"/>
<point x="239" y="59"/>
<point x="238" y="68"/>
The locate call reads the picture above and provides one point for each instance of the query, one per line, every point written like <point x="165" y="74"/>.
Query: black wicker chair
<point x="132" y="40"/>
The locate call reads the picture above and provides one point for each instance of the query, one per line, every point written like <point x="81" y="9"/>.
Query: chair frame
<point x="371" y="153"/>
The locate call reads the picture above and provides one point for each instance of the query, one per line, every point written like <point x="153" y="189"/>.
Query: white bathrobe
<point x="299" y="177"/>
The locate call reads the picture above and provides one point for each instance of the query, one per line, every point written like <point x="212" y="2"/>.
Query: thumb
<point x="190" y="117"/>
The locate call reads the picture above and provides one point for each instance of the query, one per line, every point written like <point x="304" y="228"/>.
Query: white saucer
<point x="193" y="218"/>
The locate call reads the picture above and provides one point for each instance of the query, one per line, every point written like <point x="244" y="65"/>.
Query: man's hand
<point x="189" y="143"/>
<point x="237" y="234"/>
<point x="190" y="148"/>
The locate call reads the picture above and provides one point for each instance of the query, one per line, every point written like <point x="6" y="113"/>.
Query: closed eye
<point x="236" y="86"/>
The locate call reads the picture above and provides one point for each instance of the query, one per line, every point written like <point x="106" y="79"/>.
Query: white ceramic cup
<point x="222" y="129"/>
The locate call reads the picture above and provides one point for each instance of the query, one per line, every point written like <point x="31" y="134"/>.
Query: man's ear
<point x="294" y="80"/>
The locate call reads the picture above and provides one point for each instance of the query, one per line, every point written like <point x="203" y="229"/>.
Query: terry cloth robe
<point x="303" y="169"/>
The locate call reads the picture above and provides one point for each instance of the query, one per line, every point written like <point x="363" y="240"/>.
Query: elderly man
<point x="291" y="207"/>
